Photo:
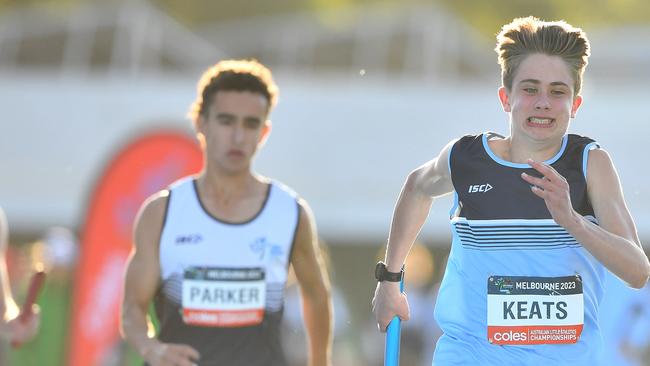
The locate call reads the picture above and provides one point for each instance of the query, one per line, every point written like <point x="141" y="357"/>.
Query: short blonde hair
<point x="525" y="36"/>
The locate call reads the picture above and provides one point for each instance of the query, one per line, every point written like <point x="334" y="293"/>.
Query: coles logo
<point x="510" y="336"/>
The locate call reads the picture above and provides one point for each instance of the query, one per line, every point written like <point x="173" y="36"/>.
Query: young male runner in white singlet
<point x="213" y="251"/>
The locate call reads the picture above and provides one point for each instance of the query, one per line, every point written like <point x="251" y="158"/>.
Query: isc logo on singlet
<point x="479" y="188"/>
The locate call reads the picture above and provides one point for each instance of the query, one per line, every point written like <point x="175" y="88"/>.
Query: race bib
<point x="223" y="297"/>
<point x="534" y="310"/>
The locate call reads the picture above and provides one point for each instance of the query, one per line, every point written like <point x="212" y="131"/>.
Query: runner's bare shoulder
<point x="151" y="218"/>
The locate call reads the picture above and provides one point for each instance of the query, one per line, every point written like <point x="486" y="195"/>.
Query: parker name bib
<point x="223" y="297"/>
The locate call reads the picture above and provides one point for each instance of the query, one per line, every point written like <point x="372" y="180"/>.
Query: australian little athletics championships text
<point x="552" y="334"/>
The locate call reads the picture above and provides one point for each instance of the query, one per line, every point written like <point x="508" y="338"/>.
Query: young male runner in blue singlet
<point x="213" y="251"/>
<point x="539" y="216"/>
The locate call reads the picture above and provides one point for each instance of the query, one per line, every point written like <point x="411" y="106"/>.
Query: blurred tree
<point x="197" y="12"/>
<point x="56" y="4"/>
<point x="486" y="16"/>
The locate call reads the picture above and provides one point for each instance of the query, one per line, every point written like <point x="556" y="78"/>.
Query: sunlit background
<point x="369" y="90"/>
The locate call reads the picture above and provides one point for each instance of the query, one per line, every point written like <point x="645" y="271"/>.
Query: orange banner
<point x="142" y="168"/>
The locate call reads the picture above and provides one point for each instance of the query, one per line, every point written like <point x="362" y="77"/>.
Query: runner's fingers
<point x="539" y="182"/>
<point x="552" y="175"/>
<point x="186" y="362"/>
<point x="179" y="359"/>
<point x="405" y="310"/>
<point x="547" y="171"/>
<point x="180" y="355"/>
<point x="402" y="312"/>
<point x="189" y="352"/>
<point x="387" y="317"/>
<point x="383" y="324"/>
<point x="539" y="192"/>
<point x="559" y="185"/>
<point x="558" y="180"/>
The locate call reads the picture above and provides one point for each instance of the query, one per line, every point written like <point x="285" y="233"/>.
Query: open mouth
<point x="540" y="122"/>
<point x="235" y="153"/>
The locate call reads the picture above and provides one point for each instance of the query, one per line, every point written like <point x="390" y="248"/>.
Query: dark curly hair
<point x="233" y="75"/>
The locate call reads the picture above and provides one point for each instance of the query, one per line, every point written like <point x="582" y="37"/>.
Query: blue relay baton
<point x="393" y="334"/>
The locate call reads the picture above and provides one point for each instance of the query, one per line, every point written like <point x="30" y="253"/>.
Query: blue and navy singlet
<point x="507" y="251"/>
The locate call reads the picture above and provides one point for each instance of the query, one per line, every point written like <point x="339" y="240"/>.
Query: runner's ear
<point x="577" y="102"/>
<point x="505" y="99"/>
<point x="266" y="131"/>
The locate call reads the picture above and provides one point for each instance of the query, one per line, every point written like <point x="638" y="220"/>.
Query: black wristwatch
<point x="382" y="274"/>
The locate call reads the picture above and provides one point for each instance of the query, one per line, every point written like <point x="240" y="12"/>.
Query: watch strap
<point x="382" y="273"/>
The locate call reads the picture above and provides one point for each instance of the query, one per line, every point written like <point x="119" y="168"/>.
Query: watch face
<point x="379" y="271"/>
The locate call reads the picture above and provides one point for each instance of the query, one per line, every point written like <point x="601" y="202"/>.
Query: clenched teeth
<point x="540" y="121"/>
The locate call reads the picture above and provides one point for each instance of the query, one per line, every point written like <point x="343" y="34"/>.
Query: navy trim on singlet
<point x="198" y="198"/>
<point x="497" y="159"/>
<point x="585" y="156"/>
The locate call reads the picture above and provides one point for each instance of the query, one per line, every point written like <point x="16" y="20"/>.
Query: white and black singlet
<point x="222" y="288"/>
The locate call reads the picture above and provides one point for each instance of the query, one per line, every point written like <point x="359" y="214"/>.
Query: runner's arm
<point x="430" y="180"/>
<point x="312" y="277"/>
<point x="614" y="241"/>
<point x="140" y="285"/>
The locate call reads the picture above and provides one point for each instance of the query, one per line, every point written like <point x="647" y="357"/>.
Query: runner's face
<point x="235" y="126"/>
<point x="542" y="100"/>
